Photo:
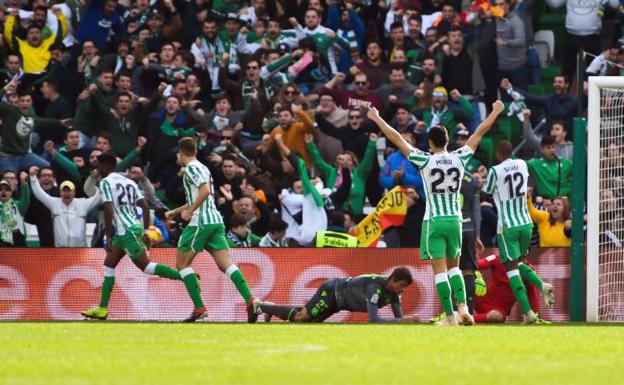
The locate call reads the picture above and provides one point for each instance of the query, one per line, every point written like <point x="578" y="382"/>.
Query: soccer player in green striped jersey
<point x="120" y="197"/>
<point x="507" y="182"/>
<point x="204" y="231"/>
<point x="442" y="173"/>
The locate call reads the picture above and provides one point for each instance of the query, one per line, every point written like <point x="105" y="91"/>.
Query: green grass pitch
<point x="167" y="353"/>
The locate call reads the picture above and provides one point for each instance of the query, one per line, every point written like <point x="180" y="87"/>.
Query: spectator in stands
<point x="398" y="89"/>
<point x="222" y="115"/>
<point x="558" y="131"/>
<point x="292" y="131"/>
<point x="17" y="128"/>
<point x="336" y="234"/>
<point x="165" y="127"/>
<point x="56" y="107"/>
<point x="401" y="42"/>
<point x="558" y="106"/>
<point x="360" y="97"/>
<point x="12" y="232"/>
<point x="511" y="46"/>
<point x="605" y="61"/>
<point x="461" y="67"/>
<point x="69" y="213"/>
<point x="583" y="26"/>
<point x="440" y="113"/>
<point x="38" y="214"/>
<point x="552" y="175"/>
<point x="100" y="20"/>
<point x="398" y="171"/>
<point x="350" y="33"/>
<point x="34" y="49"/>
<point x="241" y="89"/>
<point x="239" y="234"/>
<point x="358" y="171"/>
<point x="554" y="226"/>
<point x="276" y="235"/>
<point x="373" y="65"/>
<point x="12" y="68"/>
<point x="11" y="177"/>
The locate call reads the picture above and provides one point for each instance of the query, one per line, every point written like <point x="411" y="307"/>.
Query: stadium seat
<point x="536" y="89"/>
<point x="545" y="44"/>
<point x="553" y="20"/>
<point x="548" y="74"/>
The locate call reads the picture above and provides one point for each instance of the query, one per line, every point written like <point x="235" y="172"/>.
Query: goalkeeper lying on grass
<point x="495" y="306"/>
<point x="364" y="293"/>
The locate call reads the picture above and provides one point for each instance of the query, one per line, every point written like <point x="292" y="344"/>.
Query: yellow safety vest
<point x="335" y="239"/>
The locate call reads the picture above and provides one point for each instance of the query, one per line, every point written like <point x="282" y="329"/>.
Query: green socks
<point x="107" y="289"/>
<point x="530" y="275"/>
<point x="239" y="281"/>
<point x="458" y="285"/>
<point x="444" y="293"/>
<point x="192" y="286"/>
<point x="519" y="291"/>
<point x="166" y="272"/>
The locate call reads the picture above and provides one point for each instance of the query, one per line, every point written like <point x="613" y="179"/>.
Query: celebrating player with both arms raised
<point x="442" y="173"/>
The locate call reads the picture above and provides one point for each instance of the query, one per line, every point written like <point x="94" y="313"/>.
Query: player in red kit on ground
<point x="496" y="305"/>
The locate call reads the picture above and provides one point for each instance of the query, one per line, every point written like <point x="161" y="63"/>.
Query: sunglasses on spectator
<point x="355" y="116"/>
<point x="438" y="94"/>
<point x="360" y="83"/>
<point x="227" y="138"/>
<point x="291" y="92"/>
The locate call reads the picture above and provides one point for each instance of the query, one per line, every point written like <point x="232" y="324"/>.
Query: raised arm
<point x="38" y="192"/>
<point x="484" y="127"/>
<point x="390" y="133"/>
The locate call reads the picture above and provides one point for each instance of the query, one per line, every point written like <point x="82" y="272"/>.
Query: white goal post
<point x="605" y="225"/>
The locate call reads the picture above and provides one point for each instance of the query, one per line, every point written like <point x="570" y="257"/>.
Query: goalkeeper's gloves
<point x="480" y="285"/>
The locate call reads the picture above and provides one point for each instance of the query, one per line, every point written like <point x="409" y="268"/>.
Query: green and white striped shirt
<point x="195" y="175"/>
<point x="442" y="174"/>
<point x="508" y="183"/>
<point x="123" y="194"/>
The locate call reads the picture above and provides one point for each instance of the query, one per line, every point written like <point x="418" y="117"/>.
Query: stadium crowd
<point x="276" y="92"/>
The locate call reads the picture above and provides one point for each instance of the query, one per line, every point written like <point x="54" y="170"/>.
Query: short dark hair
<point x="107" y="159"/>
<point x="504" y="149"/>
<point x="401" y="273"/>
<point x="438" y="135"/>
<point x="548" y="140"/>
<point x="397" y="67"/>
<point x="104" y="134"/>
<point x="415" y="17"/>
<point x="123" y="93"/>
<point x="229" y="157"/>
<point x="33" y="26"/>
<point x="455" y="28"/>
<point x="277" y="224"/>
<point x="237" y="220"/>
<point x="336" y="218"/>
<point x="70" y="129"/>
<point x="566" y="79"/>
<point x="54" y="83"/>
<point x="318" y="13"/>
<point x="561" y="123"/>
<point x="396" y="25"/>
<point x="187" y="146"/>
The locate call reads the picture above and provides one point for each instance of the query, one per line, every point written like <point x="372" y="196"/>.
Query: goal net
<point x="605" y="200"/>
